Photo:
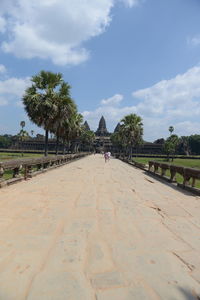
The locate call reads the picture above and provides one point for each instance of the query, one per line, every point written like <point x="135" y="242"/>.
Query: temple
<point x="102" y="130"/>
<point x="86" y="126"/>
<point x="117" y="128"/>
<point x="101" y="143"/>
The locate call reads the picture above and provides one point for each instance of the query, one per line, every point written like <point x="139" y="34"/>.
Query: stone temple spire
<point x="86" y="126"/>
<point x="102" y="130"/>
<point x="117" y="128"/>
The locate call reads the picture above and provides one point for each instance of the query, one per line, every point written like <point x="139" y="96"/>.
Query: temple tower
<point x="117" y="128"/>
<point x="86" y="126"/>
<point x="102" y="130"/>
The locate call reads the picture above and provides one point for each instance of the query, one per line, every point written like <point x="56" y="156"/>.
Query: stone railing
<point x="189" y="175"/>
<point x="133" y="163"/>
<point x="21" y="169"/>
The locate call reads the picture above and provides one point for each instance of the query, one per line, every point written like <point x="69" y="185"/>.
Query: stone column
<point x="2" y="180"/>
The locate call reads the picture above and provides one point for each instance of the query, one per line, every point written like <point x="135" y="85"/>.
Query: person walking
<point x="106" y="156"/>
<point x="109" y="155"/>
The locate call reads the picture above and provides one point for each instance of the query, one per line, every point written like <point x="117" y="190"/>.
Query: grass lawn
<point x="12" y="155"/>
<point x="190" y="163"/>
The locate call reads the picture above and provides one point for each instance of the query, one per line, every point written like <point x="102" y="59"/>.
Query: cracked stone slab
<point x="107" y="280"/>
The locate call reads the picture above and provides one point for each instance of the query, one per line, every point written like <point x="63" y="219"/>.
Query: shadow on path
<point x="188" y="295"/>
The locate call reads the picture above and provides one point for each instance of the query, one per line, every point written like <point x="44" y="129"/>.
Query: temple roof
<point x="117" y="127"/>
<point x="102" y="130"/>
<point x="86" y="126"/>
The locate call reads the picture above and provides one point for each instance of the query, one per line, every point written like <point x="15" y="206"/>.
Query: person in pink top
<point x="109" y="155"/>
<point x="106" y="156"/>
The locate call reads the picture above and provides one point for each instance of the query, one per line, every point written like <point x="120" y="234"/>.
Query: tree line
<point x="184" y="145"/>
<point x="49" y="105"/>
<point x="128" y="134"/>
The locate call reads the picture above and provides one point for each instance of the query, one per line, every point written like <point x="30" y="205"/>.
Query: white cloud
<point x="54" y="29"/>
<point x="3" y="101"/>
<point x="169" y="102"/>
<point x="2" y="24"/>
<point x="3" y="69"/>
<point x="116" y="99"/>
<point x="111" y="110"/>
<point x="131" y="3"/>
<point x="194" y="41"/>
<point x="178" y="95"/>
<point x="12" y="89"/>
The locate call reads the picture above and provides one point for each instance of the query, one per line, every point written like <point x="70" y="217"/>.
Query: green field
<point x="190" y="163"/>
<point x="13" y="155"/>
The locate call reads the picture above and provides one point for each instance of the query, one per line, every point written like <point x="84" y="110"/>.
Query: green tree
<point x="76" y="130"/>
<point x="132" y="132"/>
<point x="39" y="100"/>
<point x="117" y="139"/>
<point x="87" y="137"/>
<point x="171" y="129"/>
<point x="170" y="145"/>
<point x="65" y="107"/>
<point x="23" y="134"/>
<point x="5" y="141"/>
<point x="71" y="129"/>
<point x="22" y="124"/>
<point x="184" y="147"/>
<point x="194" y="143"/>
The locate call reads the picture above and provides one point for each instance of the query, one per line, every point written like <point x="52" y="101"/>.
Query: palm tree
<point x="87" y="137"/>
<point x="132" y="131"/>
<point x="22" y="124"/>
<point x="171" y="145"/>
<point x="171" y="129"/>
<point x="75" y="129"/>
<point x="65" y="107"/>
<point x="39" y="100"/>
<point x="184" y="144"/>
<point x="32" y="132"/>
<point x="23" y="134"/>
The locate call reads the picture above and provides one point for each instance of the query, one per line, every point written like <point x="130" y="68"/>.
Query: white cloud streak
<point x="54" y="29"/>
<point x="194" y="41"/>
<point x="130" y="3"/>
<point x="2" y="24"/>
<point x="12" y="89"/>
<point x="2" y="69"/>
<point x="116" y="99"/>
<point x="169" y="102"/>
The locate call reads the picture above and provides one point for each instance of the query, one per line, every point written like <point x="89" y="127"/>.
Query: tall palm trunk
<point x="131" y="153"/>
<point x="64" y="146"/>
<point x="57" y="144"/>
<point x="68" y="146"/>
<point x="46" y="143"/>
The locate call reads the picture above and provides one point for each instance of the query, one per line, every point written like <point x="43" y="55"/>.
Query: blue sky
<point x="120" y="57"/>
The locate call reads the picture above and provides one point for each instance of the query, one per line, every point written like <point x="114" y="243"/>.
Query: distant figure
<point x="106" y="156"/>
<point x="109" y="155"/>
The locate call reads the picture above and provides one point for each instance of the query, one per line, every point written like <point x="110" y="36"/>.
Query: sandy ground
<point x="91" y="230"/>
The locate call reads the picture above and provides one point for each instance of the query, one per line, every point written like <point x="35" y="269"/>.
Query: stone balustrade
<point x="21" y="169"/>
<point x="186" y="173"/>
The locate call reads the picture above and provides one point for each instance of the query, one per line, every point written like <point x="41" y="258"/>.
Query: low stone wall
<point x="189" y="175"/>
<point x="159" y="169"/>
<point x="22" y="169"/>
<point x="133" y="163"/>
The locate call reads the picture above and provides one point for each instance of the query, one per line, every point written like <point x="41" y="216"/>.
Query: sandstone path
<point x="96" y="231"/>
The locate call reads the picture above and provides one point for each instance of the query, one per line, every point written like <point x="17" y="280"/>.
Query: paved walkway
<point x="91" y="230"/>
